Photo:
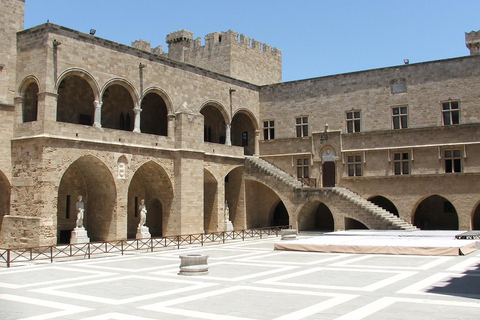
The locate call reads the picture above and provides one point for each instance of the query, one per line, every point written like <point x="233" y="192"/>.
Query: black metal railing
<point x="87" y="250"/>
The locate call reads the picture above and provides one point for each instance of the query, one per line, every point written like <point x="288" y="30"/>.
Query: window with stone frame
<point x="400" y="117"/>
<point x="353" y="121"/>
<point x="268" y="129"/>
<point x="301" y="127"/>
<point x="453" y="160"/>
<point x="354" y="165"/>
<point x="303" y="168"/>
<point x="401" y="163"/>
<point x="450" y="113"/>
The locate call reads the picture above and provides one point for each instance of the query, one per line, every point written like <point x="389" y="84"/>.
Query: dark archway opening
<point x="436" y="213"/>
<point x="316" y="217"/>
<point x="214" y="125"/>
<point x="5" y="191"/>
<point x="352" y="224"/>
<point x="153" y="119"/>
<point x="117" y="108"/>
<point x="75" y="101"/>
<point x="91" y="179"/>
<point x="385" y="204"/>
<point x="243" y="133"/>
<point x="210" y="202"/>
<point x="30" y="103"/>
<point x="280" y="215"/>
<point x="476" y="219"/>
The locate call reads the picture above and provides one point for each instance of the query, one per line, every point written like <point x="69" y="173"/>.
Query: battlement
<point x="228" y="53"/>
<point x="472" y="41"/>
<point x="146" y="46"/>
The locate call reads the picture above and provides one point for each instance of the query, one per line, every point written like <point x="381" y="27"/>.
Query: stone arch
<point x="261" y="201"/>
<point x="77" y="93"/>
<point x="235" y="196"/>
<point x="5" y="192"/>
<point x="89" y="177"/>
<point x="315" y="216"/>
<point x="28" y="90"/>
<point x="154" y="116"/>
<point x="84" y="74"/>
<point x="244" y="126"/>
<point x="384" y="203"/>
<point x="210" y="202"/>
<point x="163" y="95"/>
<point x="119" y="99"/>
<point x="152" y="183"/>
<point x="215" y="120"/>
<point x="435" y="212"/>
<point x="475" y="223"/>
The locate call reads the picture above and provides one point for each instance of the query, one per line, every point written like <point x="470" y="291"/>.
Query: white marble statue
<point x="143" y="213"/>
<point x="227" y="211"/>
<point x="80" y="212"/>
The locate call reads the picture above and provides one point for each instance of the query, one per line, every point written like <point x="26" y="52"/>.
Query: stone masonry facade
<point x="204" y="126"/>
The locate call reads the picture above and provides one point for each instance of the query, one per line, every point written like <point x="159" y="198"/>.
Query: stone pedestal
<point x="143" y="233"/>
<point x="79" y="235"/>
<point x="193" y="265"/>
<point x="289" y="234"/>
<point x="228" y="225"/>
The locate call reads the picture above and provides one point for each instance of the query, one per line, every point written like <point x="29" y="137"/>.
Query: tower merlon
<point x="472" y="41"/>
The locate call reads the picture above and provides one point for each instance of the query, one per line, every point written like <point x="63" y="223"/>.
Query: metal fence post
<point x="8" y="258"/>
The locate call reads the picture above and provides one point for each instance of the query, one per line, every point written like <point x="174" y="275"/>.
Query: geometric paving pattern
<point x="246" y="280"/>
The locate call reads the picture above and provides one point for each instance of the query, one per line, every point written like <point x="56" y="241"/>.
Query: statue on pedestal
<point x="80" y="212"/>
<point x="143" y="213"/>
<point x="227" y="212"/>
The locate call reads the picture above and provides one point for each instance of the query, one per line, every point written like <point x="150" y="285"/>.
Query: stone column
<point x="19" y="109"/>
<point x="256" y="151"/>
<point x="47" y="106"/>
<point x="97" y="117"/>
<point x="136" y="120"/>
<point x="171" y="125"/>
<point x="228" y="139"/>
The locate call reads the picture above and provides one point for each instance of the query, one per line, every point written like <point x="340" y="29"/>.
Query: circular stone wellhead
<point x="193" y="265"/>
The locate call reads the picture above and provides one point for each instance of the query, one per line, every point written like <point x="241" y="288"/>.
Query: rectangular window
<point x="354" y="166"/>
<point x="401" y="163"/>
<point x="400" y="117"/>
<point x="301" y="127"/>
<point x="450" y="112"/>
<point x="245" y="139"/>
<point x="353" y="121"/>
<point x="269" y="130"/>
<point x="453" y="161"/>
<point x="303" y="166"/>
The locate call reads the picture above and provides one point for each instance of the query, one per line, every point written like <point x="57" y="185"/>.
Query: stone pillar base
<point x="79" y="235"/>
<point x="288" y="234"/>
<point x="228" y="226"/>
<point x="143" y="233"/>
<point x="193" y="265"/>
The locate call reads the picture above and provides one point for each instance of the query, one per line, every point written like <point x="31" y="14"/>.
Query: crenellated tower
<point x="472" y="41"/>
<point x="228" y="53"/>
<point x="11" y="17"/>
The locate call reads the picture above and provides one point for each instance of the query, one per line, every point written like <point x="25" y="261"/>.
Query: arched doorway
<point x="261" y="202"/>
<point x="436" y="213"/>
<point x="352" y="224"/>
<point x="328" y="168"/>
<point x="75" y="101"/>
<point x="315" y="216"/>
<point x="30" y="103"/>
<point x="151" y="183"/>
<point x="90" y="178"/>
<point x="280" y="215"/>
<point x="385" y="204"/>
<point x="243" y="132"/>
<point x="117" y="108"/>
<point x="5" y="191"/>
<point x="214" y="124"/>
<point x="153" y="119"/>
<point x="210" y="202"/>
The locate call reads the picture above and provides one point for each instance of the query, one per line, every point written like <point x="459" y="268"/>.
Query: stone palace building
<point x="211" y="124"/>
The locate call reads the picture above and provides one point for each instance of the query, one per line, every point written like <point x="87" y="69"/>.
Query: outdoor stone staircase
<point x="385" y="217"/>
<point x="266" y="167"/>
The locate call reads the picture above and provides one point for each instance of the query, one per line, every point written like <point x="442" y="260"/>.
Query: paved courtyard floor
<point x="247" y="280"/>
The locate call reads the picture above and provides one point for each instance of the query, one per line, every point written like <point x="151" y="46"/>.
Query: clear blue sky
<point x="317" y="37"/>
